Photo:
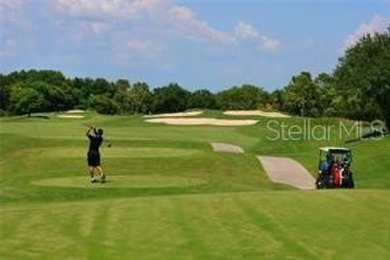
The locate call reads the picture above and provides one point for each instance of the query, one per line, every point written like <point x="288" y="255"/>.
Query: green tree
<point x="302" y="96"/>
<point x="101" y="86"/>
<point x="202" y="98"/>
<point x="364" y="73"/>
<point x="5" y="92"/>
<point x="329" y="100"/>
<point x="26" y="100"/>
<point x="276" y="99"/>
<point x="49" y="76"/>
<point x="171" y="98"/>
<point x="242" y="98"/>
<point x="56" y="98"/>
<point x="81" y="91"/>
<point x="103" y="105"/>
<point x="140" y="98"/>
<point x="121" y="96"/>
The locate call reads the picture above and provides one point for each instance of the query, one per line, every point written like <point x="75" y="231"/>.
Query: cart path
<point x="279" y="169"/>
<point x="228" y="148"/>
<point x="287" y="171"/>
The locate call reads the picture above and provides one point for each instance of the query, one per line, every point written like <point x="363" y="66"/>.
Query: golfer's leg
<point x="99" y="168"/>
<point x="91" y="172"/>
<point x="102" y="175"/>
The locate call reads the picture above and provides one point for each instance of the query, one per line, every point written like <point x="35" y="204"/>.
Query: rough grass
<point x="172" y="197"/>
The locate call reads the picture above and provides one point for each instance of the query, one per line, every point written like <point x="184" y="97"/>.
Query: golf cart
<point x="334" y="168"/>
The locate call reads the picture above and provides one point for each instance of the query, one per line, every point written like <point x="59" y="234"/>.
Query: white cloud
<point x="188" y="23"/>
<point x="185" y="19"/>
<point x="94" y="26"/>
<point x="124" y="9"/>
<point x="143" y="46"/>
<point x="377" y="24"/>
<point x="10" y="11"/>
<point x="177" y="19"/>
<point x="244" y="31"/>
<point x="10" y="4"/>
<point x="84" y="7"/>
<point x="269" y="44"/>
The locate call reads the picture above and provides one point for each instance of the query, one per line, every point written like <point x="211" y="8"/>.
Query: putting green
<point x="122" y="181"/>
<point x="124" y="152"/>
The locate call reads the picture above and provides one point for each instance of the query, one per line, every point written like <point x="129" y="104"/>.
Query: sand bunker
<point x="255" y="113"/>
<point x="202" y="121"/>
<point x="75" y="111"/>
<point x="227" y="148"/>
<point x="121" y="181"/>
<point x="71" y="116"/>
<point x="181" y="114"/>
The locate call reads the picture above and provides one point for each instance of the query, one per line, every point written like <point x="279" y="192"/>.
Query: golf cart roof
<point x="339" y="149"/>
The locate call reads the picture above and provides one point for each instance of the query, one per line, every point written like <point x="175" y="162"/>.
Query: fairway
<point x="169" y="195"/>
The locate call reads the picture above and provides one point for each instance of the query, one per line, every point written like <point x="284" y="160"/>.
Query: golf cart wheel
<point x="320" y="184"/>
<point x="351" y="184"/>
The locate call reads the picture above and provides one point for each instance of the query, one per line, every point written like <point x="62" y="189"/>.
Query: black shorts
<point x="93" y="158"/>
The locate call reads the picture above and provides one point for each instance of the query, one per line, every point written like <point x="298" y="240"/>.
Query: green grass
<point x="169" y="196"/>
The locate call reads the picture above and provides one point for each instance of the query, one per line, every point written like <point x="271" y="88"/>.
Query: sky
<point x="214" y="44"/>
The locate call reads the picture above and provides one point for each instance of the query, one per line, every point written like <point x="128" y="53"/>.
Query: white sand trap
<point x="181" y="114"/>
<point x="287" y="171"/>
<point x="71" y="116"/>
<point x="122" y="181"/>
<point x="227" y="148"/>
<point x="75" y="111"/>
<point x="255" y="113"/>
<point x="202" y="121"/>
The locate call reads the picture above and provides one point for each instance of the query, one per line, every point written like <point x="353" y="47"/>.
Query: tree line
<point x="26" y="92"/>
<point x="358" y="88"/>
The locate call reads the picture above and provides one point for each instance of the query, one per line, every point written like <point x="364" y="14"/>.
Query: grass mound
<point x="116" y="152"/>
<point x="121" y="181"/>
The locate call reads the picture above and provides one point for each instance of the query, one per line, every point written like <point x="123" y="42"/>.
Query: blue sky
<point x="211" y="44"/>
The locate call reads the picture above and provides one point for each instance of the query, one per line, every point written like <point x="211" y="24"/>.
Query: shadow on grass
<point x="376" y="135"/>
<point x="34" y="116"/>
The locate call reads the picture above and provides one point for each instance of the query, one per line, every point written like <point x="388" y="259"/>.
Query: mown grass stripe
<point x="193" y="245"/>
<point x="96" y="240"/>
<point x="236" y="237"/>
<point x="268" y="223"/>
<point x="9" y="223"/>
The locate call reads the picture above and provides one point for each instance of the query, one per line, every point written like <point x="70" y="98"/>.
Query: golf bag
<point x="335" y="177"/>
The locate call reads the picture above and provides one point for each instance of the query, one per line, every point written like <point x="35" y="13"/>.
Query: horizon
<point x="210" y="45"/>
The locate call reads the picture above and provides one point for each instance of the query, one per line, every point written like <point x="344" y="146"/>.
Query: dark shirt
<point x="95" y="142"/>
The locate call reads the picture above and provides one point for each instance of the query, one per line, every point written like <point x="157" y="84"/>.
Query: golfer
<point x="95" y="137"/>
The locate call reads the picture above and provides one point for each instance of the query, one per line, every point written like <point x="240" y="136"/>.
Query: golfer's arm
<point x="89" y="130"/>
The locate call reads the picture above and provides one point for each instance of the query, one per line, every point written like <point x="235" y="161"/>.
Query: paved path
<point x="287" y="171"/>
<point x="279" y="169"/>
<point x="229" y="148"/>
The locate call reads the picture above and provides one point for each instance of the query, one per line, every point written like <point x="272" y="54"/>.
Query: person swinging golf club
<point x="95" y="137"/>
